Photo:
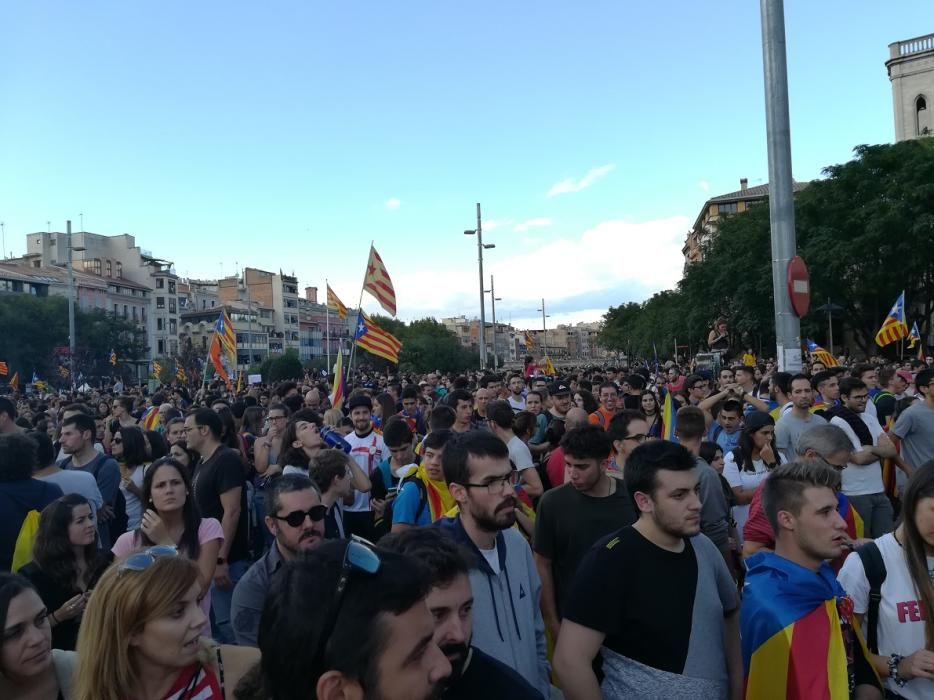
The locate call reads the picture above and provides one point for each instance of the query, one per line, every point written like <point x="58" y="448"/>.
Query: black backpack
<point x="874" y="566"/>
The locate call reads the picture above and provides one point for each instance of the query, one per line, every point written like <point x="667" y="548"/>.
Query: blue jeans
<point x="220" y="604"/>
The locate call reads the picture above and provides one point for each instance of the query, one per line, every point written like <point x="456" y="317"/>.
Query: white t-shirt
<point x="517" y="404"/>
<point x="901" y="622"/>
<point x="492" y="558"/>
<point x="368" y="452"/>
<point x="736" y="476"/>
<point x="134" y="508"/>
<point x="860" y="480"/>
<point x="519" y="453"/>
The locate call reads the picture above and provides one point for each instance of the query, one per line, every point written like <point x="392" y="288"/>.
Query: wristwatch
<point x="221" y="560"/>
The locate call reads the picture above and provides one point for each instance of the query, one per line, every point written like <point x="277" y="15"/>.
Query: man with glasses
<point x="508" y="622"/>
<point x="626" y="431"/>
<point x="697" y="388"/>
<point x="348" y="620"/>
<point x="268" y="448"/>
<point x="296" y="520"/>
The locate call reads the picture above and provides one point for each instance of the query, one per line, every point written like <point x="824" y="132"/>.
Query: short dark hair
<point x="690" y="423"/>
<point x="524" y="422"/>
<point x="208" y="418"/>
<point x="850" y="384"/>
<point x="17" y="457"/>
<point x="396" y="432"/>
<point x="45" y="450"/>
<point x="859" y="370"/>
<point x="923" y="378"/>
<point x="285" y="483"/>
<point x="619" y="424"/>
<point x="649" y="458"/>
<point x="693" y="379"/>
<point x="409" y="392"/>
<point x="500" y="413"/>
<point x="635" y="381"/>
<point x="708" y="451"/>
<point x="174" y="421"/>
<point x="8" y="407"/>
<point x="782" y="381"/>
<point x="488" y="379"/>
<point x="301" y="600"/>
<point x="457" y="396"/>
<point x="473" y="443"/>
<point x="437" y="439"/>
<point x="436" y="551"/>
<point x="442" y="418"/>
<point x="730" y="405"/>
<point x="748" y="369"/>
<point x="587" y="442"/>
<point x="822" y="377"/>
<point x="608" y="385"/>
<point x="327" y="466"/>
<point x="279" y="407"/>
<point x="83" y="422"/>
<point x="886" y="374"/>
<point x="784" y="488"/>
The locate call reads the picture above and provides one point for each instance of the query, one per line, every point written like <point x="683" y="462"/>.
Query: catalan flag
<point x="894" y="326"/>
<point x="548" y="367"/>
<point x="156" y="369"/>
<point x="340" y="387"/>
<point x="180" y="373"/>
<point x="113" y="357"/>
<point x="4" y="369"/>
<point x="669" y="418"/>
<point x="214" y="354"/>
<point x="820" y="354"/>
<point x="375" y="340"/>
<point x="64" y="372"/>
<point x="792" y="643"/>
<point x="335" y="304"/>
<point x="914" y="337"/>
<point x="528" y="342"/>
<point x="378" y="284"/>
<point x="150" y="419"/>
<point x="224" y="331"/>
<point x="14" y="382"/>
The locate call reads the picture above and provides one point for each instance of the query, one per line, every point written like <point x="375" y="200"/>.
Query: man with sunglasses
<point x="508" y="622"/>
<point x="296" y="520"/>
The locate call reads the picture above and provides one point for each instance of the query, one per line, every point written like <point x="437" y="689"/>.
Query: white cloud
<point x="570" y="185"/>
<point x="531" y="223"/>
<point x="490" y="224"/>
<point x="393" y="203"/>
<point x="704" y="185"/>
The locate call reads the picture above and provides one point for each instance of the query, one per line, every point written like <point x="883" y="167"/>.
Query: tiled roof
<point x="757" y="192"/>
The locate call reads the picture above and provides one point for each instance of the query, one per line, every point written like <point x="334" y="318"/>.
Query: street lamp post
<point x="544" y="329"/>
<point x="493" y="300"/>
<point x="829" y="308"/>
<point x="71" y="309"/>
<point x="480" y="247"/>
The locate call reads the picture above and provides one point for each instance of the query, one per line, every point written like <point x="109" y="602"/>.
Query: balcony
<point x="909" y="47"/>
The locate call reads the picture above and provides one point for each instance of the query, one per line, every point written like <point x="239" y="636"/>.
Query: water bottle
<point x="332" y="438"/>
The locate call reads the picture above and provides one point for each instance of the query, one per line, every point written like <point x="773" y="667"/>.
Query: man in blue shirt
<point x="423" y="496"/>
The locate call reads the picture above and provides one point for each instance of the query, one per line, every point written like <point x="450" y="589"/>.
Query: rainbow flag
<point x="340" y="386"/>
<point x="669" y="418"/>
<point x="790" y="628"/>
<point x="150" y="419"/>
<point x="820" y="354"/>
<point x="894" y="326"/>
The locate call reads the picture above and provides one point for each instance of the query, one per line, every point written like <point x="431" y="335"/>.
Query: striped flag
<point x="548" y="367"/>
<point x="180" y="373"/>
<point x="914" y="337"/>
<point x="340" y="387"/>
<point x="375" y="340"/>
<point x="820" y="354"/>
<point x="378" y="284"/>
<point x="528" y="342"/>
<point x="214" y="354"/>
<point x="224" y="331"/>
<point x="14" y="382"/>
<point x="335" y="304"/>
<point x="113" y="357"/>
<point x="156" y="369"/>
<point x="4" y="369"/>
<point x="150" y="419"/>
<point x="894" y="326"/>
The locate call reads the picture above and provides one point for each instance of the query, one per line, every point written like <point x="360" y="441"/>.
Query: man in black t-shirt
<point x="572" y="517"/>
<point x="655" y="599"/>
<point x="220" y="492"/>
<point x="474" y="674"/>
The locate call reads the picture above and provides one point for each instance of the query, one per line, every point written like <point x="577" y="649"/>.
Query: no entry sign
<point x="799" y="286"/>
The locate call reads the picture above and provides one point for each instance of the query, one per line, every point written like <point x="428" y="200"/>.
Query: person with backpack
<point x="423" y="496"/>
<point x="889" y="582"/>
<point x="22" y="498"/>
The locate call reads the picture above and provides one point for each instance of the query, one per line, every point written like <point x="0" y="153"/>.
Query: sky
<point x="289" y="135"/>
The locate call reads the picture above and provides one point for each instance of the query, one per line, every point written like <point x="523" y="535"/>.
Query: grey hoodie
<point x="507" y="618"/>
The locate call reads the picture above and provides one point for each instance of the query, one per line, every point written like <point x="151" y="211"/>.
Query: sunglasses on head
<point x="143" y="560"/>
<point x="297" y="517"/>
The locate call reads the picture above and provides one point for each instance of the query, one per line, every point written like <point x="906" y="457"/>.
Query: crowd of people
<point x="480" y="535"/>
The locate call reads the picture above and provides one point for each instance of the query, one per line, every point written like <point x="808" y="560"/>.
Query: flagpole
<point x="327" y="324"/>
<point x="353" y="347"/>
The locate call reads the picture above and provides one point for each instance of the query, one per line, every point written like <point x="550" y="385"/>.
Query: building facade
<point x="911" y="72"/>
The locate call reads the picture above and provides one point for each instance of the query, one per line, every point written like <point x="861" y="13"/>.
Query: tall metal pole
<point x="71" y="309"/>
<point x="829" y="327"/>
<point x="544" y="331"/>
<point x="482" y="312"/>
<point x="781" y="184"/>
<point x="493" y="304"/>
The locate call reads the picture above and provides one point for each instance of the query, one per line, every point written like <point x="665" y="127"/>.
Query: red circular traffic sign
<point x="799" y="286"/>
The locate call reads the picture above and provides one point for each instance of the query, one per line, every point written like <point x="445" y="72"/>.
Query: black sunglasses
<point x="297" y="517"/>
<point x="361" y="556"/>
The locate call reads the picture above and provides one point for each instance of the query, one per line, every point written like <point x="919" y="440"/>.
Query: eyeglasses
<point x="496" y="486"/>
<point x="117" y="441"/>
<point x="143" y="560"/>
<point x="297" y="517"/>
<point x="638" y="437"/>
<point x="361" y="556"/>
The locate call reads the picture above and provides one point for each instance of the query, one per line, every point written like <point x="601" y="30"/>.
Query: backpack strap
<point x="422" y="498"/>
<point x="874" y="566"/>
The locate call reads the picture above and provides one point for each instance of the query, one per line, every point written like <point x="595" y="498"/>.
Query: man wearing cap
<point x="367" y="449"/>
<point x="560" y="394"/>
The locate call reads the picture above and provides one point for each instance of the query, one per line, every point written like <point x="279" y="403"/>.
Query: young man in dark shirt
<point x="220" y="492"/>
<point x="450" y="599"/>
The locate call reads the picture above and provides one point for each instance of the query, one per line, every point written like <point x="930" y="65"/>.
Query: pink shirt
<point x="209" y="530"/>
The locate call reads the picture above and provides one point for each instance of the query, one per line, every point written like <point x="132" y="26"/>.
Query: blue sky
<point x="291" y="134"/>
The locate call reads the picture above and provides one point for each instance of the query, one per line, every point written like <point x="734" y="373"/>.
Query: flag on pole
<point x="14" y="382"/>
<point x="224" y="331"/>
<point x="35" y="377"/>
<point x="894" y="326"/>
<point x="335" y="304"/>
<point x="669" y="418"/>
<point x="180" y="373"/>
<point x="340" y="387"/>
<point x="156" y="369"/>
<point x="214" y="354"/>
<point x="914" y="337"/>
<point x="375" y="340"/>
<point x="820" y="354"/>
<point x="113" y="357"/>
<point x="528" y="342"/>
<point x="548" y="367"/>
<point x="4" y="369"/>
<point x="378" y="284"/>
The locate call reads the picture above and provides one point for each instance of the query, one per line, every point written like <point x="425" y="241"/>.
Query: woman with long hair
<point x="749" y="464"/>
<point x="29" y="666"/>
<point x="586" y="400"/>
<point x="904" y="632"/>
<point x="187" y="458"/>
<point x="128" y="447"/>
<point x="384" y="408"/>
<point x="652" y="411"/>
<point x="141" y="636"/>
<point x="66" y="564"/>
<point x="172" y="518"/>
<point x="156" y="445"/>
<point x="302" y="441"/>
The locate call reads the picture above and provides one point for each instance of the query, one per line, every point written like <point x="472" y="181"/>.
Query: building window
<point x="160" y="324"/>
<point x="160" y="345"/>
<point x="125" y="311"/>
<point x="116" y="309"/>
<point x="119" y="270"/>
<point x="922" y="121"/>
<point x="241" y="338"/>
<point x="160" y="302"/>
<point x="173" y="326"/>
<point x="110" y="268"/>
<point x="160" y="283"/>
<point x="134" y="313"/>
<point x="727" y="208"/>
<point x="93" y="265"/>
<point x="172" y="307"/>
<point x="171" y="286"/>
<point x="142" y="314"/>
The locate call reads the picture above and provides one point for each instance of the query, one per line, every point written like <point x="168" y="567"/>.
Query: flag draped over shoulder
<point x="669" y="418"/>
<point x="792" y="642"/>
<point x="340" y="388"/>
<point x="335" y="304"/>
<point x="894" y="326"/>
<point x="375" y="340"/>
<point x="820" y="354"/>
<point x="378" y="284"/>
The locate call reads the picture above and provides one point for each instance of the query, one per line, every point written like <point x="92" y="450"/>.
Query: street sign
<point x="799" y="286"/>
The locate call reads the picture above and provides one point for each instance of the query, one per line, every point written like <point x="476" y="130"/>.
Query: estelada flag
<point x="340" y="387"/>
<point x="150" y="419"/>
<point x="528" y="342"/>
<point x="792" y="643"/>
<point x="224" y="332"/>
<point x="335" y="304"/>
<point x="214" y="354"/>
<point x="894" y="326"/>
<point x="820" y="354"/>
<point x="4" y="369"/>
<point x="914" y="337"/>
<point x="378" y="284"/>
<point x="375" y="340"/>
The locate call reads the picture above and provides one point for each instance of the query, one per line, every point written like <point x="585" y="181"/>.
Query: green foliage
<point x="426" y="345"/>
<point x="282" y="367"/>
<point x="865" y="232"/>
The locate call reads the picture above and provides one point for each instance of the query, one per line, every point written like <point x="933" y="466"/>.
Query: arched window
<point x="923" y="121"/>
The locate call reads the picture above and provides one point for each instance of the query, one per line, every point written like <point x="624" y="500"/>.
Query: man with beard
<point x="474" y="674"/>
<point x="655" y="598"/>
<point x="296" y="520"/>
<point x="367" y="449"/>
<point x="506" y="587"/>
<point x="349" y="620"/>
<point x="797" y="420"/>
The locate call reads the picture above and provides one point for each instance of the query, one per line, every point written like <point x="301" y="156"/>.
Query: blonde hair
<point x="122" y="604"/>
<point x="333" y="417"/>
